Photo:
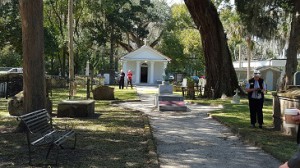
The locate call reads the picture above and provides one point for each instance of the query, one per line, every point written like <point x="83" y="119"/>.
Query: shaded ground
<point x="113" y="138"/>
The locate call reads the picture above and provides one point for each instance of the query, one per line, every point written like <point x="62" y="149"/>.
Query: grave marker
<point x="236" y="98"/>
<point x="297" y="78"/>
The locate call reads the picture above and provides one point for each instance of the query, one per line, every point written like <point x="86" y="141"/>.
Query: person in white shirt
<point x="256" y="88"/>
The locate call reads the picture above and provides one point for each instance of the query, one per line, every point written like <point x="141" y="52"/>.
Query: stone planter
<point x="103" y="93"/>
<point x="281" y="101"/>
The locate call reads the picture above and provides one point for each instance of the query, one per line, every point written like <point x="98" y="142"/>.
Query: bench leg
<point x="29" y="149"/>
<point x="48" y="152"/>
<point x="56" y="158"/>
<point x="75" y="141"/>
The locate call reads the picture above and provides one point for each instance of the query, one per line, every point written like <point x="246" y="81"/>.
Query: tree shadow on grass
<point x="108" y="139"/>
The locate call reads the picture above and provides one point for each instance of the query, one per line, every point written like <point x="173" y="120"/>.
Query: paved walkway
<point x="193" y="140"/>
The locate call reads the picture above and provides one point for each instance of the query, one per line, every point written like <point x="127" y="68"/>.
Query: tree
<point x="33" y="55"/>
<point x="10" y="26"/>
<point x="181" y="42"/>
<point x="220" y="74"/>
<point x="263" y="18"/>
<point x="294" y="44"/>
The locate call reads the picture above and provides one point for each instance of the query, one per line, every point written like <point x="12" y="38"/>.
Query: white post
<point x="138" y="72"/>
<point x="125" y="67"/>
<point x="151" y="72"/>
<point x="165" y="67"/>
<point x="87" y="68"/>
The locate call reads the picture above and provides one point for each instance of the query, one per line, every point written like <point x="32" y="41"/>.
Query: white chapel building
<point x="146" y="64"/>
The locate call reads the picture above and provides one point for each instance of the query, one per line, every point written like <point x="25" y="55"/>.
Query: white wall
<point x="158" y="71"/>
<point x="254" y="63"/>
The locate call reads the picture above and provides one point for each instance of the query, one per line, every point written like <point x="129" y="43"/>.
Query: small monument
<point x="167" y="101"/>
<point x="297" y="78"/>
<point x="224" y="96"/>
<point x="236" y="98"/>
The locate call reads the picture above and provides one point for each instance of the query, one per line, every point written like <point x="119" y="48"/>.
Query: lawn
<point x="114" y="137"/>
<point x="118" y="137"/>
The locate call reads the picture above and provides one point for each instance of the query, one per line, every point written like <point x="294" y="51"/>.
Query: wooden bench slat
<point x="46" y="139"/>
<point x="33" y="114"/>
<point x="64" y="137"/>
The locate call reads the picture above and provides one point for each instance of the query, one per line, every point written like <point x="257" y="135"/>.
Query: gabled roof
<point x="268" y="67"/>
<point x="145" y="53"/>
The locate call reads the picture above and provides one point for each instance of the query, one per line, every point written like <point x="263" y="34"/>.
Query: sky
<point x="171" y="2"/>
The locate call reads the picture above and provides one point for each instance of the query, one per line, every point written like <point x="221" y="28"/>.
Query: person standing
<point x="255" y="89"/>
<point x="129" y="78"/>
<point x="121" y="81"/>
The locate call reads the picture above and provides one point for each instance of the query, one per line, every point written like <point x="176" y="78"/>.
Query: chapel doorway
<point x="144" y="73"/>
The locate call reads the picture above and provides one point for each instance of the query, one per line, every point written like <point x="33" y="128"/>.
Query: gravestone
<point x="179" y="77"/>
<point x="165" y="89"/>
<point x="236" y="98"/>
<point x="184" y="82"/>
<point x="103" y="93"/>
<point x="224" y="96"/>
<point x="297" y="78"/>
<point x="167" y="101"/>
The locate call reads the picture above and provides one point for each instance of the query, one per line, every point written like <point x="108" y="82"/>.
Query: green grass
<point x="119" y="137"/>
<point x="237" y="118"/>
<point x="115" y="137"/>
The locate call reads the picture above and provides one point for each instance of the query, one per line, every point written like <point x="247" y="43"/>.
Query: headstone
<point x="212" y="92"/>
<point x="167" y="101"/>
<point x="179" y="77"/>
<point x="224" y="96"/>
<point x="106" y="78"/>
<point x="103" y="93"/>
<point x="297" y="78"/>
<point x="165" y="89"/>
<point x="184" y="82"/>
<point x="236" y="98"/>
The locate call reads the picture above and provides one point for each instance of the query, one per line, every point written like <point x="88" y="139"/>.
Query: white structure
<point x="147" y="65"/>
<point x="255" y="64"/>
<point x="271" y="70"/>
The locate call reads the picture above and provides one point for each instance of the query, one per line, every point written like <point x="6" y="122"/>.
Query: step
<point x="172" y="106"/>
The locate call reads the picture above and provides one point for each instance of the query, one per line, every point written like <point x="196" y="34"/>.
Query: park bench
<point x="40" y="133"/>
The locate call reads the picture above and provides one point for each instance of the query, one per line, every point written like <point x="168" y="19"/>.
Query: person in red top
<point x="129" y="78"/>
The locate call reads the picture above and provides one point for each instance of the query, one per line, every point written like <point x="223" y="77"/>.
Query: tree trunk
<point x="72" y="88"/>
<point x="33" y="55"/>
<point x="220" y="74"/>
<point x="294" y="42"/>
<point x="111" y="57"/>
<point x="249" y="55"/>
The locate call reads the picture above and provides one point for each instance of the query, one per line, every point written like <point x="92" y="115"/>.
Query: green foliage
<point x="262" y="18"/>
<point x="10" y="26"/>
<point x="9" y="58"/>
<point x="182" y="43"/>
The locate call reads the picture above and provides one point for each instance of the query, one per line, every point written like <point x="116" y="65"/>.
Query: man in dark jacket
<point x="121" y="81"/>
<point x="255" y="89"/>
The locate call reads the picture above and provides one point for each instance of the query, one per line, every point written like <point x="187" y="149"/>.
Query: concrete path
<point x="193" y="140"/>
